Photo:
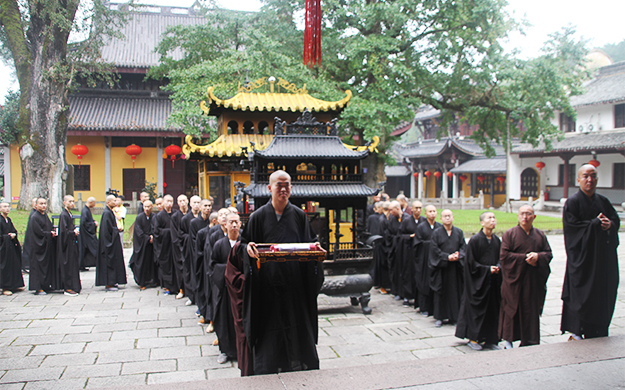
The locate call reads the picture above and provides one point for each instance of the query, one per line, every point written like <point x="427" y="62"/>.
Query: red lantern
<point x="437" y="175"/>
<point x="172" y="151"/>
<point x="594" y="163"/>
<point x="540" y="165"/>
<point x="428" y="174"/>
<point x="450" y="175"/>
<point x="463" y="177"/>
<point x="133" y="151"/>
<point x="416" y="175"/>
<point x="481" y="178"/>
<point x="79" y="150"/>
<point x="501" y="179"/>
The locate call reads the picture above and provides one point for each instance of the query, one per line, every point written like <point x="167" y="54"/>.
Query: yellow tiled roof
<point x="294" y="102"/>
<point x="227" y="145"/>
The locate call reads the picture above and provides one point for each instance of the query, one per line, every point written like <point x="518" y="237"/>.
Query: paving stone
<point x="14" y="386"/>
<point x="224" y="373"/>
<point x="69" y="329"/>
<point x="98" y="346"/>
<point x="198" y="363"/>
<point x="174" y="352"/>
<point x="14" y="333"/>
<point x="14" y="352"/>
<point x="87" y="337"/>
<point x="206" y="339"/>
<point x="137" y="317"/>
<point x="134" y="334"/>
<point x="95" y="320"/>
<point x="14" y="324"/>
<point x="91" y="371"/>
<point x="32" y="374"/>
<point x="61" y="384"/>
<point x="159" y="324"/>
<point x="186" y="331"/>
<point x="161" y="342"/>
<point x="58" y="349"/>
<point x="130" y="355"/>
<point x="149" y="367"/>
<point x="209" y="350"/>
<point x="16" y="363"/>
<point x="37" y="340"/>
<point x="118" y="382"/>
<point x="436" y="352"/>
<point x="114" y="327"/>
<point x="75" y="359"/>
<point x="179" y="376"/>
<point x="51" y="323"/>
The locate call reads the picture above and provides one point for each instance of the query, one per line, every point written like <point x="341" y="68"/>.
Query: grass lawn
<point x="467" y="220"/>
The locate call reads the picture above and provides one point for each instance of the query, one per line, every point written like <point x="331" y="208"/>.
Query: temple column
<point x="445" y="182"/>
<point x="565" y="181"/>
<point x="159" y="164"/>
<point x="412" y="182"/>
<point x="420" y="182"/>
<point x="107" y="163"/>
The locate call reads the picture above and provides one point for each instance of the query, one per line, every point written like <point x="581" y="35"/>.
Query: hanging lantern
<point x="594" y="163"/>
<point x="450" y="175"/>
<point x="540" y="165"/>
<point x="79" y="150"/>
<point x="312" y="33"/>
<point x="133" y="151"/>
<point x="463" y="177"/>
<point x="172" y="151"/>
<point x="481" y="178"/>
<point x="416" y="175"/>
<point x="501" y="179"/>
<point x="437" y="175"/>
<point x="428" y="174"/>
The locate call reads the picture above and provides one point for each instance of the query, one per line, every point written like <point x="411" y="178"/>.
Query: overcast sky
<point x="599" y="21"/>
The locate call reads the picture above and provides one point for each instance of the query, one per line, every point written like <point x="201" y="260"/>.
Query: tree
<point x="615" y="50"/>
<point x="394" y="56"/>
<point x="36" y="35"/>
<point x="8" y="118"/>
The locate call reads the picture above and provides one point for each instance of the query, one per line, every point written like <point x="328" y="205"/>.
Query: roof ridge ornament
<point x="250" y="86"/>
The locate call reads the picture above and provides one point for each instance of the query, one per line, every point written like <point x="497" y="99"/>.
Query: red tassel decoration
<point x="312" y="33"/>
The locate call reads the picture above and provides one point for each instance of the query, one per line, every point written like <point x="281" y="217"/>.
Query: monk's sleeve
<point x="438" y="258"/>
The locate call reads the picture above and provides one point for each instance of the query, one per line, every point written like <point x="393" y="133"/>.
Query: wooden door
<point x="134" y="181"/>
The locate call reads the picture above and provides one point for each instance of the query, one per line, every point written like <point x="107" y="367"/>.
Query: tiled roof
<point x="227" y="145"/>
<point x="109" y="113"/>
<point x="254" y="101"/>
<point x="305" y="190"/>
<point x="309" y="146"/>
<point x="142" y="33"/>
<point x="426" y="112"/>
<point x="607" y="87"/>
<point x="432" y="147"/>
<point x="493" y="165"/>
<point x="397" y="170"/>
<point x="573" y="142"/>
<point x="400" y="129"/>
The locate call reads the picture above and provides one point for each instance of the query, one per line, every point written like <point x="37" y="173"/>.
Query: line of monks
<point x="491" y="289"/>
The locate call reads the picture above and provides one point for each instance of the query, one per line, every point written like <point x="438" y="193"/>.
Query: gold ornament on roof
<point x="287" y="86"/>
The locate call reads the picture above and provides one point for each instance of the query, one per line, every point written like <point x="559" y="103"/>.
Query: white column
<point x="412" y="182"/>
<point x="107" y="163"/>
<point x="445" y="183"/>
<point x="420" y="183"/>
<point x="159" y="165"/>
<point x="7" y="174"/>
<point x="455" y="183"/>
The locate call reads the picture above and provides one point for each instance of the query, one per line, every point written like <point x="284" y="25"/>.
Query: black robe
<point x="87" y="239"/>
<point x="216" y="236"/>
<point x="592" y="275"/>
<point x="142" y="260"/>
<point x="110" y="269"/>
<point x="10" y="257"/>
<point x="67" y="253"/>
<point x="27" y="245"/>
<point x="481" y="300"/>
<point x="203" y="253"/>
<point x="523" y="287"/>
<point x="391" y="237"/>
<point x="446" y="278"/>
<point x="283" y="311"/>
<point x="373" y="224"/>
<point x="177" y="246"/>
<point x="381" y="276"/>
<point x="187" y="255"/>
<point x="165" y="240"/>
<point x="196" y="267"/>
<point x="422" y="265"/>
<point x="222" y="318"/>
<point x="43" y="270"/>
<point x="405" y="256"/>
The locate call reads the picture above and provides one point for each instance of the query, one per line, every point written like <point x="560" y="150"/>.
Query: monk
<point x="67" y="249"/>
<point x="142" y="260"/>
<point x="424" y="300"/>
<point x="592" y="276"/>
<point x="88" y="238"/>
<point x="406" y="252"/>
<point x="187" y="248"/>
<point x="44" y="275"/>
<point x="110" y="268"/>
<point x="525" y="257"/>
<point x="10" y="254"/>
<point x="164" y="251"/>
<point x="27" y="245"/>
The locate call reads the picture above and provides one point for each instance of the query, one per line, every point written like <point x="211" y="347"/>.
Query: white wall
<point x="601" y="117"/>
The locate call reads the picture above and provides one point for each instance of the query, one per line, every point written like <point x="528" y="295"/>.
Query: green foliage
<point x="9" y="133"/>
<point x="150" y="188"/>
<point x="615" y="50"/>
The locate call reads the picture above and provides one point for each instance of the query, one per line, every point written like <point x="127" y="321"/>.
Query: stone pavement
<point x="132" y="338"/>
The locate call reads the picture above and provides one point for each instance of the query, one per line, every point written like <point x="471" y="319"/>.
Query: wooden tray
<point x="266" y="255"/>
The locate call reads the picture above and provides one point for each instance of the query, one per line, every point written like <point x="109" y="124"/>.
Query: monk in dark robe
<point x="479" y="312"/>
<point x="142" y="198"/>
<point x="88" y="238"/>
<point x="67" y="249"/>
<point x="279" y="300"/>
<point x="26" y="247"/>
<point x="393" y="238"/>
<point x="592" y="276"/>
<point x="406" y="252"/>
<point x="373" y="221"/>
<point x="381" y="270"/>
<point x="222" y="320"/>
<point x="525" y="257"/>
<point x="203" y="253"/>
<point x="446" y="278"/>
<point x="177" y="242"/>
<point x="142" y="260"/>
<point x="10" y="254"/>
<point x="110" y="270"/>
<point x="164" y="240"/>
<point x="44" y="275"/>
<point x="201" y="222"/>
<point x="424" y="300"/>
<point x="187" y="248"/>
<point x="219" y="231"/>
